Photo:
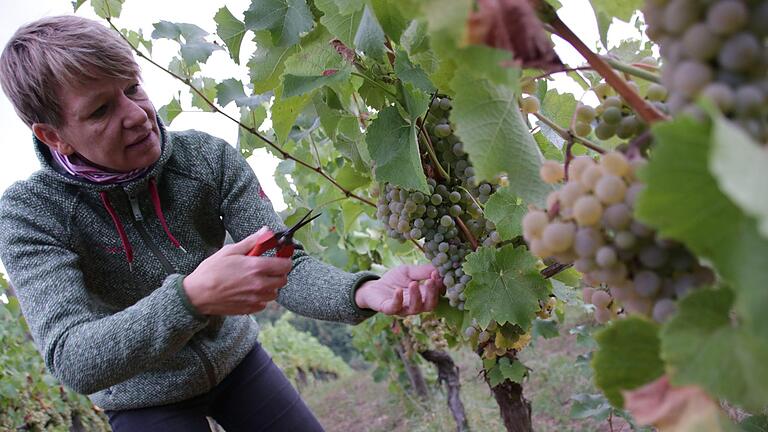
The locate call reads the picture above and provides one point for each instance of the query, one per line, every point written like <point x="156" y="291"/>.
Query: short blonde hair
<point x="49" y="54"/>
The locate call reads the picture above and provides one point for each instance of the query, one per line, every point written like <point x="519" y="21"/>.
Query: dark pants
<point x="255" y="396"/>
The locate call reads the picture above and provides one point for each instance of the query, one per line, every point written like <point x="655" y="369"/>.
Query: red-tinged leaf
<point x="673" y="409"/>
<point x="513" y="25"/>
<point x="344" y="51"/>
<point x="328" y="72"/>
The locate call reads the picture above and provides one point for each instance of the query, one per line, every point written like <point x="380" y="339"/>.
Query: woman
<point x="115" y="249"/>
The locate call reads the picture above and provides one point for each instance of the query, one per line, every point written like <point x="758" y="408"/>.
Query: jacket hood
<point x="49" y="166"/>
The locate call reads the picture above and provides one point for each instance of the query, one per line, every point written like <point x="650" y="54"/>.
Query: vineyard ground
<point x="358" y="404"/>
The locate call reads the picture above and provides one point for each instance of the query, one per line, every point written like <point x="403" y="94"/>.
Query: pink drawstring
<point x="119" y="227"/>
<point x="121" y="230"/>
<point x="159" y="212"/>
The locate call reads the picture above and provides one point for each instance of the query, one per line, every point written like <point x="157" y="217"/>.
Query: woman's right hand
<point x="231" y="283"/>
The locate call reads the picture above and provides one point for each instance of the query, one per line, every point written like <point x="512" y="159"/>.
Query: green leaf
<point x="593" y="406"/>
<point x="703" y="347"/>
<point x="506" y="211"/>
<point x="107" y="8"/>
<point x="738" y="164"/>
<point x="544" y="328"/>
<point x="341" y="25"/>
<point x="605" y="10"/>
<point x="627" y="358"/>
<point x="286" y="20"/>
<point x="191" y="38"/>
<point x="394" y="15"/>
<point x="76" y="4"/>
<point x="137" y="39"/>
<point x="683" y="201"/>
<point x="229" y="90"/>
<point x="169" y="111"/>
<point x="490" y="125"/>
<point x="207" y="87"/>
<point x="512" y="371"/>
<point x="267" y="63"/>
<point x="392" y="145"/>
<point x="506" y="287"/>
<point x="409" y="73"/>
<point x="416" y="102"/>
<point x="755" y="423"/>
<point x="415" y="39"/>
<point x="349" y="6"/>
<point x="251" y="117"/>
<point x="284" y="114"/>
<point x="369" y="37"/>
<point x="559" y="107"/>
<point x="294" y="85"/>
<point x="231" y="30"/>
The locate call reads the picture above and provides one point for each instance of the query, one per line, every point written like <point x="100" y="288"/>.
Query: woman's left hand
<point x="403" y="290"/>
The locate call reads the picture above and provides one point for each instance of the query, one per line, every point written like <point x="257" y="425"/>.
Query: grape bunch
<point x="497" y="340"/>
<point x="436" y="217"/>
<point x="715" y="49"/>
<point x="613" y="117"/>
<point x="589" y="222"/>
<point x="427" y="332"/>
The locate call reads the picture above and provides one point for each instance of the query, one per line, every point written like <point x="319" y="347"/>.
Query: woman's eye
<point x="100" y="111"/>
<point x="132" y="90"/>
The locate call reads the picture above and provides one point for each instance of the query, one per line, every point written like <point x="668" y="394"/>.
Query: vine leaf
<point x="286" y="20"/>
<point x="347" y="7"/>
<point x="106" y="8"/>
<point x="370" y="37"/>
<point x="231" y="30"/>
<point x="506" y="211"/>
<point x="505" y="286"/>
<point x="489" y="123"/>
<point x="207" y="87"/>
<point x="191" y="38"/>
<point x="683" y="201"/>
<point x="606" y="10"/>
<point x="506" y="370"/>
<point x="296" y="85"/>
<point x="701" y="339"/>
<point x="512" y="25"/>
<point x="169" y="111"/>
<point x="671" y="408"/>
<point x="627" y="357"/>
<point x="267" y="63"/>
<point x="410" y="73"/>
<point x="284" y="113"/>
<point x="392" y="145"/>
<point x="341" y="23"/>
<point x="738" y="164"/>
<point x="229" y="90"/>
<point x="251" y="117"/>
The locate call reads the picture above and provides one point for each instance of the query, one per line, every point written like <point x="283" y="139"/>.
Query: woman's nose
<point x="134" y="113"/>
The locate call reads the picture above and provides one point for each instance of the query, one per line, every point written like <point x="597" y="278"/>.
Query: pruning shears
<point x="281" y="240"/>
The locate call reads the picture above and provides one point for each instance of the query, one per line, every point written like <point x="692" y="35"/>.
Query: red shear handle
<point x="266" y="241"/>
<point x="286" y="251"/>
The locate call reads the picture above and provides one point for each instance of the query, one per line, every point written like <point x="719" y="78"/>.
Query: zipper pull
<point x="135" y="208"/>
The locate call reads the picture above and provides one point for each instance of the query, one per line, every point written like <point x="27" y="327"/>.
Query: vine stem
<point x="632" y="70"/>
<point x="568" y="156"/>
<point x="646" y="111"/>
<point x="374" y="82"/>
<point x="252" y="130"/>
<point x="467" y="233"/>
<point x="567" y="135"/>
<point x="567" y="70"/>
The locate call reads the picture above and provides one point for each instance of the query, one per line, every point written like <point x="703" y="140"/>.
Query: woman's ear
<point x="49" y="136"/>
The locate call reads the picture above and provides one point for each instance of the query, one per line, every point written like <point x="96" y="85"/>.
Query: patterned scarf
<point x="80" y="167"/>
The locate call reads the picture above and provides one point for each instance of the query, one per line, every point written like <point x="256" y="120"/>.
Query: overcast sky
<point x="18" y="161"/>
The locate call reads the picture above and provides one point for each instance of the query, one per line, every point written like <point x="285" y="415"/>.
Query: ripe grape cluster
<point x="613" y="117"/>
<point x="715" y="49"/>
<point x="436" y="216"/>
<point x="429" y="325"/>
<point x="496" y="340"/>
<point x="589" y="222"/>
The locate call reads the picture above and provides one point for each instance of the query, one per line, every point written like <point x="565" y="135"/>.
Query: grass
<point x="358" y="404"/>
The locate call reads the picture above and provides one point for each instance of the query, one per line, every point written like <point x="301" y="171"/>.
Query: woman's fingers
<point x="415" y="302"/>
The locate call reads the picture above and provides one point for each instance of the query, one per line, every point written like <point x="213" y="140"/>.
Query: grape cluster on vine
<point x="589" y="222"/>
<point x="437" y="216"/>
<point x="433" y="327"/>
<point x="715" y="49"/>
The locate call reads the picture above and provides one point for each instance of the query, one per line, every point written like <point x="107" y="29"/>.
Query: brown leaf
<point x="344" y="51"/>
<point x="673" y="409"/>
<point x="512" y="25"/>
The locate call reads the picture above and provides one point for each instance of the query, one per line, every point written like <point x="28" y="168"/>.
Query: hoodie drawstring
<point x="118" y="226"/>
<point x="159" y="213"/>
<point x="155" y="198"/>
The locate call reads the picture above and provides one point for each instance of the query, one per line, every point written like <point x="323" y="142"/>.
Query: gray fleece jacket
<point x="124" y="332"/>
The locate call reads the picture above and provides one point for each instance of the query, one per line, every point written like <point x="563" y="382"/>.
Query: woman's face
<point x="110" y="122"/>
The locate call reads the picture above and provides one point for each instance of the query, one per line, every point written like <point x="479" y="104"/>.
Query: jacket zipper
<point x="138" y="218"/>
